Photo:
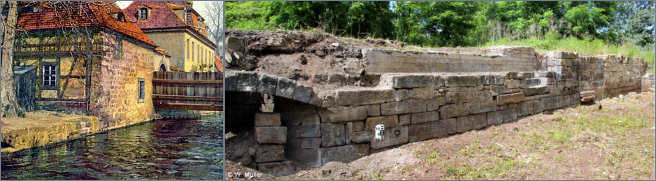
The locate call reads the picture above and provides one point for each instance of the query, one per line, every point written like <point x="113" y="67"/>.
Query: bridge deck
<point x="188" y="90"/>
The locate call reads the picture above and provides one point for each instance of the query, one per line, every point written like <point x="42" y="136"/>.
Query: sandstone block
<point x="373" y="110"/>
<point x="271" y="135"/>
<point x="364" y="96"/>
<point x="421" y="93"/>
<point x="454" y="110"/>
<point x="461" y="81"/>
<point x="362" y="136"/>
<point x="503" y="116"/>
<point x="267" y="119"/>
<point x="510" y="98"/>
<point x="230" y="78"/>
<point x="405" y="119"/>
<point x="403" y="107"/>
<point x="535" y="90"/>
<point x="587" y="93"/>
<point x="310" y="142"/>
<point x="329" y="99"/>
<point x="435" y="103"/>
<point x="342" y="114"/>
<point x="247" y="82"/>
<point x="425" y="117"/>
<point x="412" y="81"/>
<point x="269" y="153"/>
<point x="428" y="130"/>
<point x="483" y="107"/>
<point x="285" y="88"/>
<point x="333" y="134"/>
<point x="303" y="93"/>
<point x="513" y="84"/>
<point x="266" y="84"/>
<point x="358" y="126"/>
<point x="388" y="121"/>
<point x="497" y="90"/>
<point x="392" y="136"/>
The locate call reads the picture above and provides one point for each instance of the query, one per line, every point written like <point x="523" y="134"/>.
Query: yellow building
<point x="179" y="30"/>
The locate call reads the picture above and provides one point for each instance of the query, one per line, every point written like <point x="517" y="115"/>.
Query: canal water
<point x="160" y="149"/>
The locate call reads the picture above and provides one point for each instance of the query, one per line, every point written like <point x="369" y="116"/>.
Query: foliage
<point x="613" y="27"/>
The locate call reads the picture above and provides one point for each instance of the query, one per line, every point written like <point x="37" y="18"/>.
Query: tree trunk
<point x="10" y="107"/>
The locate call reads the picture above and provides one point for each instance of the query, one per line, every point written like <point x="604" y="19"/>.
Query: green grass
<point x="586" y="47"/>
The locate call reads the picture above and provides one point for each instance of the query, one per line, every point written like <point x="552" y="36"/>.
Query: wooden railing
<point x="56" y="47"/>
<point x="188" y="90"/>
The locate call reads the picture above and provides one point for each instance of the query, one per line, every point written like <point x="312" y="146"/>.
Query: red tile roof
<point x="159" y="50"/>
<point x="162" y="16"/>
<point x="56" y="15"/>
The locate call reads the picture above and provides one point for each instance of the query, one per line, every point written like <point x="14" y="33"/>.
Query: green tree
<point x="446" y="23"/>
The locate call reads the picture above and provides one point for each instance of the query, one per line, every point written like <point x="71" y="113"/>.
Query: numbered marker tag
<point x="380" y="132"/>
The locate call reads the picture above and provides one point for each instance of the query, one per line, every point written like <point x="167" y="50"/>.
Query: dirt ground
<point x="311" y="58"/>
<point x="611" y="139"/>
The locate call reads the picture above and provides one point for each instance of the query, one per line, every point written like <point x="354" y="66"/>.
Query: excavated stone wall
<point x="414" y="95"/>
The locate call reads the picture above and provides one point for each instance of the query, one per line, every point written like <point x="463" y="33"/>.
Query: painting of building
<point x="177" y="28"/>
<point x="90" y="60"/>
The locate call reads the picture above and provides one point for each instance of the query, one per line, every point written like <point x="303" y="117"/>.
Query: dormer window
<point x="143" y="13"/>
<point x="120" y="17"/>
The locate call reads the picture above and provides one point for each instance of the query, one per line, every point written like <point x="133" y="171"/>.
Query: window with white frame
<point x="49" y="72"/>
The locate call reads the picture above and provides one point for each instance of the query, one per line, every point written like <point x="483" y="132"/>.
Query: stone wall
<point x="116" y="86"/>
<point x="415" y="104"/>
<point x="622" y="74"/>
<point x="499" y="59"/>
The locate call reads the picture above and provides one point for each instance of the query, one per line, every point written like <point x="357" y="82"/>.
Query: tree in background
<point x="634" y="23"/>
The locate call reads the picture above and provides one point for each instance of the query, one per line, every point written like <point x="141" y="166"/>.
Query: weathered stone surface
<point x="471" y="122"/>
<point x="341" y="114"/>
<point x="230" y="78"/>
<point x="391" y="137"/>
<point x="535" y="90"/>
<point x="247" y="82"/>
<point x="364" y="96"/>
<point x="497" y="90"/>
<point x="235" y="44"/>
<point x="510" y="98"/>
<point x="297" y="119"/>
<point x="513" y="84"/>
<point x="337" y="79"/>
<point x="587" y="93"/>
<point x="403" y="107"/>
<point x="266" y="84"/>
<point x="285" y="88"/>
<point x="358" y="126"/>
<point x="329" y="99"/>
<point x="412" y="81"/>
<point x="271" y="135"/>
<point x="435" y="103"/>
<point x="458" y="97"/>
<point x="310" y="142"/>
<point x="310" y="157"/>
<point x="343" y="154"/>
<point x="293" y="143"/>
<point x="401" y="94"/>
<point x="483" y="107"/>
<point x="362" y="136"/>
<point x="388" y="121"/>
<point x="454" y="110"/>
<point x="333" y="134"/>
<point x="588" y="99"/>
<point x="405" y="119"/>
<point x="425" y="117"/>
<point x="304" y="131"/>
<point x="421" y="93"/>
<point x="303" y="93"/>
<point x="423" y="131"/>
<point x="269" y="153"/>
<point x="494" y="80"/>
<point x="277" y="168"/>
<point x="503" y="116"/>
<point x="373" y="110"/>
<point x="267" y="119"/>
<point x="461" y="81"/>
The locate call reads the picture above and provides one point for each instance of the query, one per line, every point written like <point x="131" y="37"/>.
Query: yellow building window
<point x="187" y="49"/>
<point x="192" y="51"/>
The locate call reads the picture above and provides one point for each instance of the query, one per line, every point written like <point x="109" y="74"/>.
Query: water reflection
<point x="162" y="149"/>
